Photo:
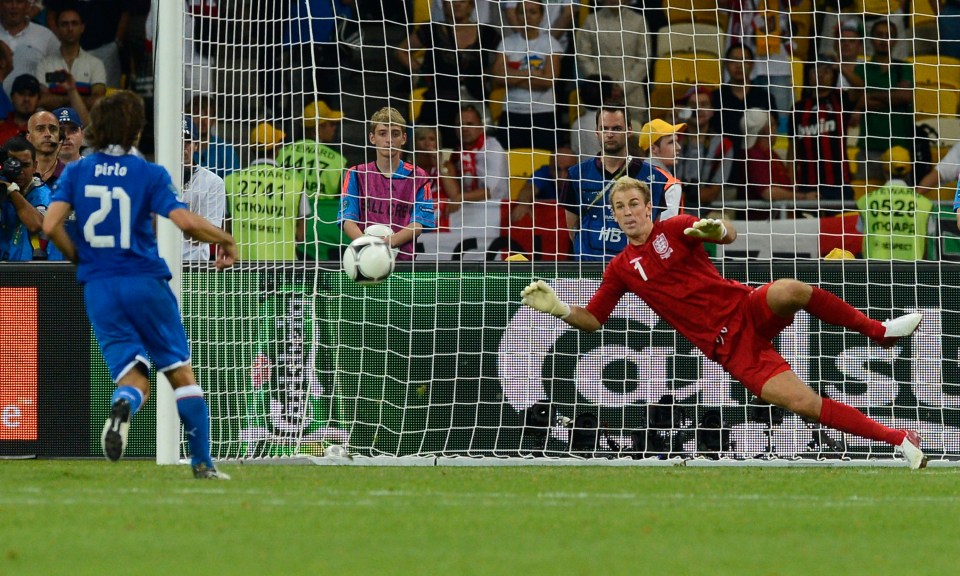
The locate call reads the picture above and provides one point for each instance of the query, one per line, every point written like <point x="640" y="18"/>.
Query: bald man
<point x="43" y="131"/>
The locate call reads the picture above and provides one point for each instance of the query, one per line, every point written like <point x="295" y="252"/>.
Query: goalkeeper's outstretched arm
<point x="540" y="296"/>
<point x="712" y="230"/>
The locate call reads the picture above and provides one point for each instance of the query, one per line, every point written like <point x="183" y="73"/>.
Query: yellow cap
<point x="516" y="258"/>
<point x="266" y="136"/>
<point x="840" y="254"/>
<point x="897" y="160"/>
<point x="654" y="130"/>
<point x="317" y="112"/>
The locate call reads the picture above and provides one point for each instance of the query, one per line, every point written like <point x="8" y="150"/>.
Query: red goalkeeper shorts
<point x="745" y="346"/>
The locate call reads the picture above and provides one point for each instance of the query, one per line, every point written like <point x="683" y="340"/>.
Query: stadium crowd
<point x="733" y="108"/>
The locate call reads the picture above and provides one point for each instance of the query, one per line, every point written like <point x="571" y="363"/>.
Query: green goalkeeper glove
<point x="707" y="229"/>
<point x="540" y="296"/>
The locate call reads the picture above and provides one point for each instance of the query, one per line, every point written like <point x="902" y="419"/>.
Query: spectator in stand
<point x="43" y="131"/>
<point x="736" y="94"/>
<point x="556" y="18"/>
<point x="214" y="153"/>
<point x="768" y="176"/>
<point x="584" y="195"/>
<point x="321" y="168"/>
<point x="821" y="119"/>
<point x="457" y="54"/>
<point x="71" y="127"/>
<point x="312" y="51"/>
<point x="445" y="182"/>
<point x="484" y="12"/>
<point x="484" y="169"/>
<point x="946" y="171"/>
<point x="204" y="194"/>
<point x="6" y="67"/>
<point x="544" y="183"/>
<point x="614" y="43"/>
<point x="265" y="202"/>
<point x="22" y="206"/>
<point x="29" y="42"/>
<point x="894" y="219"/>
<point x="886" y="101"/>
<point x="659" y="141"/>
<point x="527" y="63"/>
<point x="767" y="40"/>
<point x="850" y="53"/>
<point x="105" y="27"/>
<point x="25" y="96"/>
<point x="71" y="77"/>
<point x="388" y="190"/>
<point x="705" y="161"/>
<point x="592" y="92"/>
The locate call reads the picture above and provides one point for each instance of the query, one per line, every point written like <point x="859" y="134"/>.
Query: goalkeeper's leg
<point x="788" y="391"/>
<point x="786" y="297"/>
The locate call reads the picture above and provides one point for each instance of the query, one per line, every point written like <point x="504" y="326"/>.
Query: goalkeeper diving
<point x="665" y="264"/>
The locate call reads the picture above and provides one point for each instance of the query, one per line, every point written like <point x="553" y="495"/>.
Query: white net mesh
<point x="795" y="118"/>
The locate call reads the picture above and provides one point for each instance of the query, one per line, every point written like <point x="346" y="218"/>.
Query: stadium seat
<point x="416" y="102"/>
<point x="875" y="6"/>
<point x="695" y="11"/>
<point x="934" y="70"/>
<point x="421" y="11"/>
<point x="700" y="38"/>
<point x="523" y="162"/>
<point x="931" y="100"/>
<point x="799" y="81"/>
<point x="672" y="77"/>
<point x="495" y="102"/>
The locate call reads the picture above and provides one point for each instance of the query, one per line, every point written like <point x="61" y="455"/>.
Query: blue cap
<point x="68" y="115"/>
<point x="189" y="131"/>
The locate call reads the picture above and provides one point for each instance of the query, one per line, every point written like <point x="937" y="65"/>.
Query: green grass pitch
<point x="137" y="518"/>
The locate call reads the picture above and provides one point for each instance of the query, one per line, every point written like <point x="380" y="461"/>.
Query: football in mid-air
<point x="368" y="260"/>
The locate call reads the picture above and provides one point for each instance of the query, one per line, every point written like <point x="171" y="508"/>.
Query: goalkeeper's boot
<point x="202" y="471"/>
<point x="910" y="450"/>
<point x="113" y="440"/>
<point x="898" y="328"/>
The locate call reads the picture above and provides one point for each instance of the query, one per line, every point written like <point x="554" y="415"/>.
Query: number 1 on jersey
<point x="107" y="196"/>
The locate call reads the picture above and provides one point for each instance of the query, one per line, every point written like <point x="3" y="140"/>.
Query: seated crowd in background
<point x="494" y="78"/>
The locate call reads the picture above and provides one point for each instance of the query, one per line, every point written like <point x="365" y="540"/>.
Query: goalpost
<point x="441" y="360"/>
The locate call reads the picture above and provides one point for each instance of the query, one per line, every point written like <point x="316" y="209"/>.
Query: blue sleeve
<point x="163" y="197"/>
<point x="40" y="196"/>
<point x="544" y="183"/>
<point x="63" y="189"/>
<point x="956" y="199"/>
<point x="423" y="213"/>
<point x="349" y="199"/>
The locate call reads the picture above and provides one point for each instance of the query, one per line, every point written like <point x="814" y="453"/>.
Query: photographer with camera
<point x="71" y="76"/>
<point x="23" y="203"/>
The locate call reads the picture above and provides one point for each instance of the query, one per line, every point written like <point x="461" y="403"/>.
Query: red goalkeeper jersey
<point x="672" y="273"/>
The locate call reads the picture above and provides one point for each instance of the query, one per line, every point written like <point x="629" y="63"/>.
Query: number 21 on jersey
<point x="107" y="197"/>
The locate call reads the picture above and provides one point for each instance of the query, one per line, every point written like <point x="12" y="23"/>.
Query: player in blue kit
<point x="115" y="194"/>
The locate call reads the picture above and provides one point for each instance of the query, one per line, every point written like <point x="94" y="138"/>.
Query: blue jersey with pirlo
<point x="114" y="197"/>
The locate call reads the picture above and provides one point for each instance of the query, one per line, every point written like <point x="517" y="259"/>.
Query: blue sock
<point x="196" y="423"/>
<point x="132" y="395"/>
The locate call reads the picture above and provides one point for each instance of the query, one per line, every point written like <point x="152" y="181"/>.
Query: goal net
<point x="502" y="114"/>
